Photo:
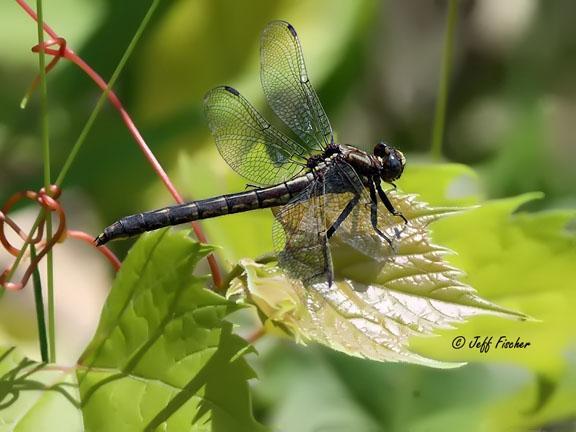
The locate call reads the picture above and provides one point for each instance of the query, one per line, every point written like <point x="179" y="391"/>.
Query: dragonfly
<point x="318" y="189"/>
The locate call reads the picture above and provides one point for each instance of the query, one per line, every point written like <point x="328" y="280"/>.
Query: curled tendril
<point x="57" y="54"/>
<point x="48" y="200"/>
<point x="62" y="50"/>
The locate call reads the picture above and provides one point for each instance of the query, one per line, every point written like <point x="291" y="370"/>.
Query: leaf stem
<point x="45" y="131"/>
<point x="441" y="101"/>
<point x="237" y="270"/>
<point x="50" y="291"/>
<point x="39" y="301"/>
<point x="256" y="335"/>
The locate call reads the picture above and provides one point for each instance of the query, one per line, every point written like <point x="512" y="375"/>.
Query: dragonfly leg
<point x="345" y="213"/>
<point x="328" y="269"/>
<point x="327" y="273"/>
<point x="374" y="213"/>
<point x="388" y="204"/>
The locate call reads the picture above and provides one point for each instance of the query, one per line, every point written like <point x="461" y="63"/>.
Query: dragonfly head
<point x="392" y="160"/>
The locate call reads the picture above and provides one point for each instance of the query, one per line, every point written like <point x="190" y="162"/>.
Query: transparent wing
<point x="357" y="230"/>
<point x="247" y="142"/>
<point x="299" y="236"/>
<point x="336" y="198"/>
<point x="287" y="87"/>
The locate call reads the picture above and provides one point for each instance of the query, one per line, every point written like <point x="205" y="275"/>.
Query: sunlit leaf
<point x="375" y="307"/>
<point x="161" y="349"/>
<point x="523" y="261"/>
<point x="516" y="259"/>
<point x="162" y="356"/>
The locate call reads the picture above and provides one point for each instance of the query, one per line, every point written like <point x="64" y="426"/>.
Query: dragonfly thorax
<point x="363" y="163"/>
<point x="386" y="162"/>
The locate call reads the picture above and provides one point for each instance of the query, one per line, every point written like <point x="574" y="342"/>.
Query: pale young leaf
<point x="374" y="307"/>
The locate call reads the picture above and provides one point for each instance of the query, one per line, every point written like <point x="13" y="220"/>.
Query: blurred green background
<point x="376" y="65"/>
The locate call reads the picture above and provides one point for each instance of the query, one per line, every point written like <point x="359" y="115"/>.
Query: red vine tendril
<point x="58" y="48"/>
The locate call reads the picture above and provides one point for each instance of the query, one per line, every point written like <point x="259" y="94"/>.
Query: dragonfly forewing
<point x="247" y="142"/>
<point x="287" y="86"/>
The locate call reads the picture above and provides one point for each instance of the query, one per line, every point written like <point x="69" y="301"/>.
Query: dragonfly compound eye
<point x="392" y="165"/>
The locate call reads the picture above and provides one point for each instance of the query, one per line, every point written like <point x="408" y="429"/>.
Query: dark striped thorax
<point x="365" y="164"/>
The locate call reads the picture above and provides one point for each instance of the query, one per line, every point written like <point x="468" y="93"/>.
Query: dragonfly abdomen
<point x="272" y="196"/>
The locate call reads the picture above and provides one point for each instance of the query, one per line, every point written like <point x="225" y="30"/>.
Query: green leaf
<point x="374" y="307"/>
<point x="523" y="261"/>
<point x="162" y="356"/>
<point x="36" y="397"/>
<point x="442" y="184"/>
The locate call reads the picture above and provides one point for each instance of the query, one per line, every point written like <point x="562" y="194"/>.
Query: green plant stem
<point x="39" y="301"/>
<point x="100" y="103"/>
<point x="20" y="255"/>
<point x="47" y="180"/>
<point x="50" y="292"/>
<point x="447" y="53"/>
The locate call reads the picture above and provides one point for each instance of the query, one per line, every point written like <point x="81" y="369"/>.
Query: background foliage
<point x="375" y="63"/>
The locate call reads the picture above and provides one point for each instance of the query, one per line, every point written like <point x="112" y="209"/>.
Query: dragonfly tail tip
<point x="101" y="240"/>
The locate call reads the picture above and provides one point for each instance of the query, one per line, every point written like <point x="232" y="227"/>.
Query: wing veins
<point x="263" y="126"/>
<point x="287" y="86"/>
<point x="248" y="142"/>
